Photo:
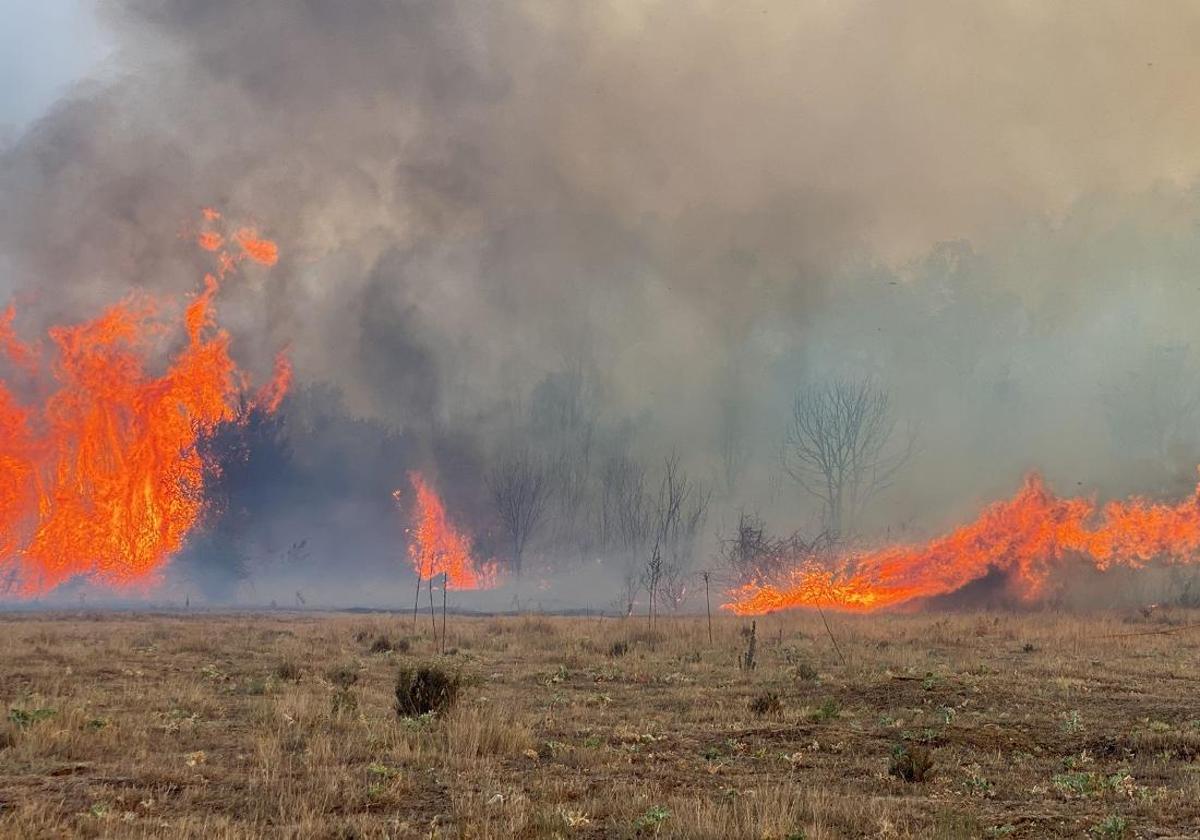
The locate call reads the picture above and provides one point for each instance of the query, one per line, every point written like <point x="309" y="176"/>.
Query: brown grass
<point x="285" y="726"/>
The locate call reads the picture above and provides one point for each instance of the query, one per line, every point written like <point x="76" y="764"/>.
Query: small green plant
<point x="653" y="819"/>
<point x="828" y="710"/>
<point x="1113" y="827"/>
<point x="1072" y="722"/>
<point x="416" y="724"/>
<point x="767" y="703"/>
<point x="426" y="688"/>
<point x="25" y="718"/>
<point x="978" y="785"/>
<point x="911" y="762"/>
<point x="382" y="771"/>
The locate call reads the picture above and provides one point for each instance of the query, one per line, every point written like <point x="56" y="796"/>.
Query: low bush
<point x="426" y="687"/>
<point x="911" y="762"/>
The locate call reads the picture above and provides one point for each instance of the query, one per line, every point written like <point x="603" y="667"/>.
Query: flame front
<point x="102" y="478"/>
<point x="1025" y="537"/>
<point x="437" y="548"/>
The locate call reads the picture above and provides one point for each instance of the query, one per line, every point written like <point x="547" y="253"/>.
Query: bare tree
<point x="626" y="515"/>
<point x="520" y="493"/>
<point x="753" y="555"/>
<point x="678" y="516"/>
<point x="839" y="448"/>
<point x="625" y="522"/>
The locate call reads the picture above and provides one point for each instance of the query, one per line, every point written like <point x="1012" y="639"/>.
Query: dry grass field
<point x="232" y="726"/>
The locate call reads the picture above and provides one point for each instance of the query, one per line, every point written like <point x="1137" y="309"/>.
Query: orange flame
<point x="104" y="479"/>
<point x="437" y="548"/>
<point x="1026" y="537"/>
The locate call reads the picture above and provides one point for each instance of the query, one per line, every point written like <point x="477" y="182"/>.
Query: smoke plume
<point x="504" y="223"/>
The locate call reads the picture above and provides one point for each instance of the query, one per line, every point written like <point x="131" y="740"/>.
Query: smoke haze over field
<point x="659" y="217"/>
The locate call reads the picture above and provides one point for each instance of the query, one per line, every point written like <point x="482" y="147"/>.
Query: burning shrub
<point x="911" y="762"/>
<point x="767" y="703"/>
<point x="426" y="687"/>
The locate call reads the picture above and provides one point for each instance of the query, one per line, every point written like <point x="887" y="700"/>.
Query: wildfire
<point x="436" y="547"/>
<point x="102" y="477"/>
<point x="1025" y="537"/>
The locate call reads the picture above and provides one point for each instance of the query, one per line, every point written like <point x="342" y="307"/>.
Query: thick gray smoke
<point x="652" y="221"/>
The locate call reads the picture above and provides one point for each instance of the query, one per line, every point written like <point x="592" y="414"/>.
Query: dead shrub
<point x="426" y="687"/>
<point x="618" y="649"/>
<point x="288" y="670"/>
<point x="767" y="703"/>
<point x="382" y="644"/>
<point x="342" y="676"/>
<point x="911" y="762"/>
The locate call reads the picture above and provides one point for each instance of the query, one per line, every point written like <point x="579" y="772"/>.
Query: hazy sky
<point x="44" y="46"/>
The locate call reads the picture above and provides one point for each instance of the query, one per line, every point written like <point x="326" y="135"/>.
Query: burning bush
<point x="426" y="687"/>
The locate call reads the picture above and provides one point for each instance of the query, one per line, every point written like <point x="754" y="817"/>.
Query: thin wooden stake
<point x="708" y="607"/>
<point x="417" y="600"/>
<point x="432" y="614"/>
<point x="445" y="588"/>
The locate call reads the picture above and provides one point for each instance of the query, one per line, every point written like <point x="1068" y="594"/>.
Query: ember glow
<point x="100" y="475"/>
<point x="436" y="547"/>
<point x="1026" y="537"/>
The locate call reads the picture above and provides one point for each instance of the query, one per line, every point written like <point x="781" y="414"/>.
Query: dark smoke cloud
<point x="700" y="205"/>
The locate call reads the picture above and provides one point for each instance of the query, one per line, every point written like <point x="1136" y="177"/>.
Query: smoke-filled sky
<point x="989" y="208"/>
